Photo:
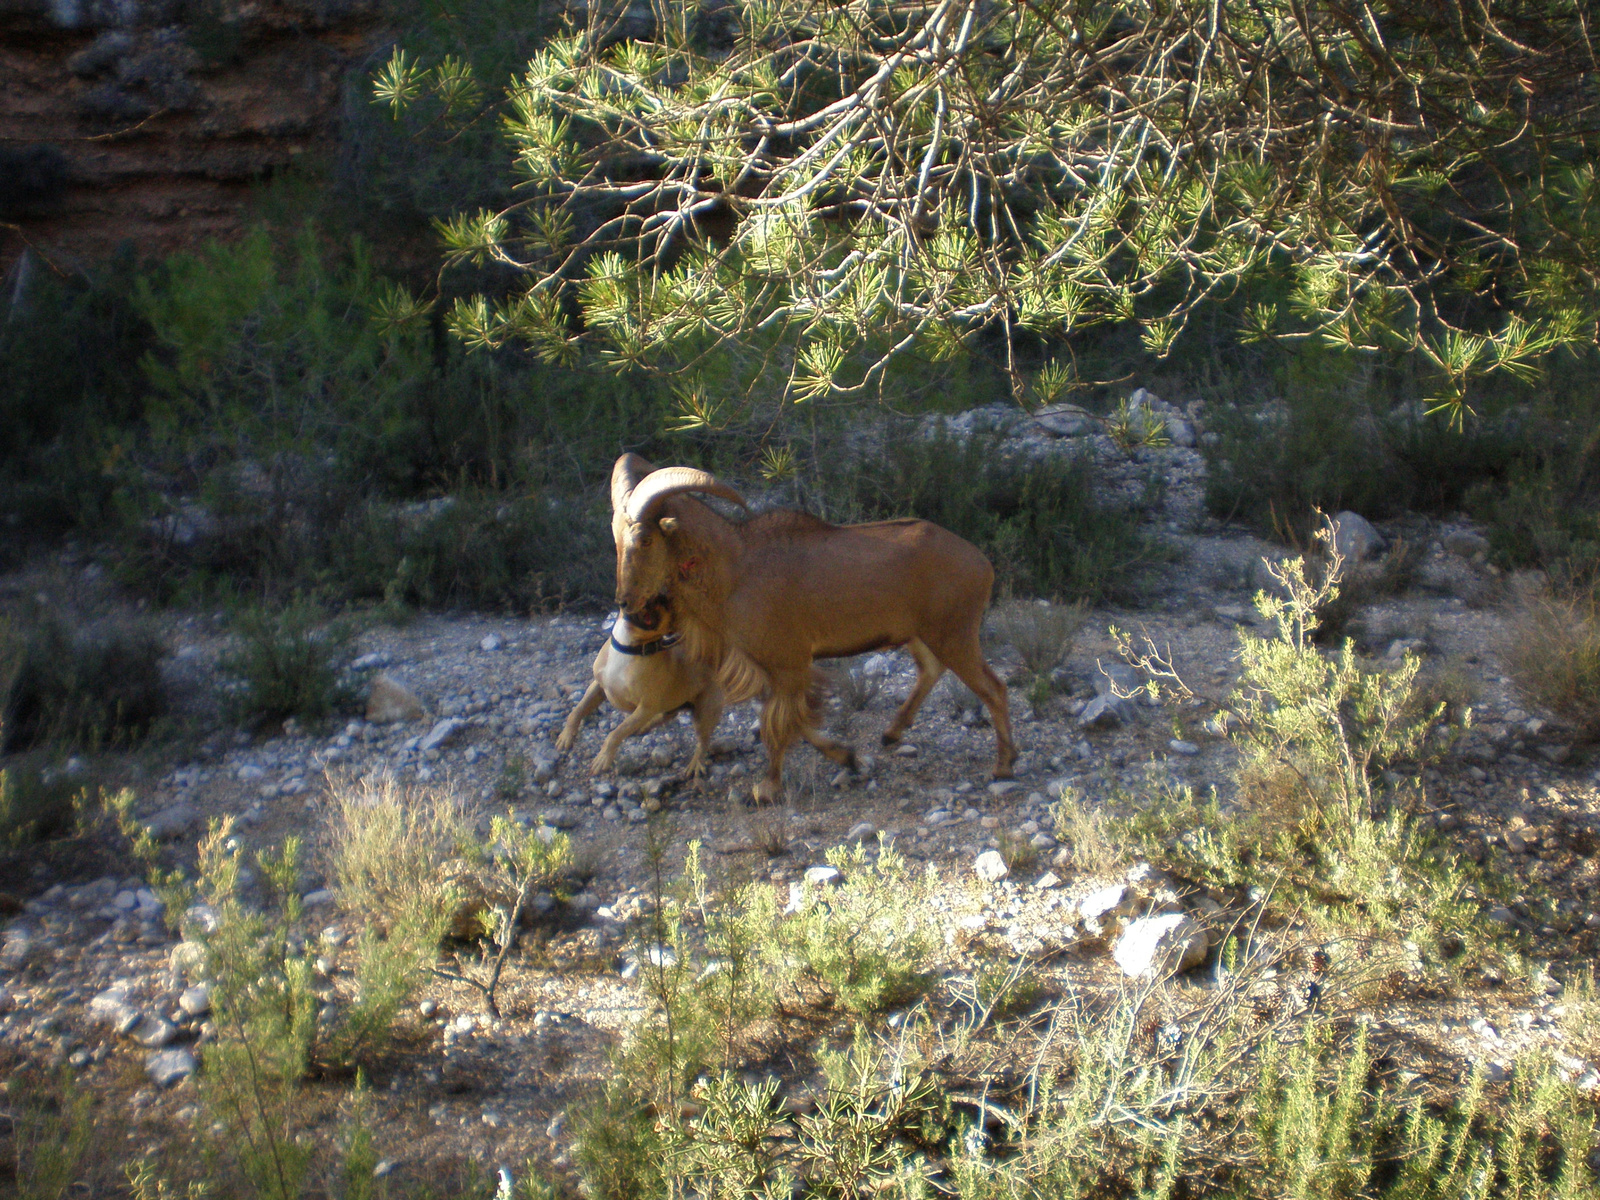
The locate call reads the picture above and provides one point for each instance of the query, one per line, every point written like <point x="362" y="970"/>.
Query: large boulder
<point x="1355" y="538"/>
<point x="389" y="700"/>
<point x="1165" y="944"/>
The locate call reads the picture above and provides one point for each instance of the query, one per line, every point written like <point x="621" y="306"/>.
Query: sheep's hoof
<point x="766" y="792"/>
<point x="891" y="736"/>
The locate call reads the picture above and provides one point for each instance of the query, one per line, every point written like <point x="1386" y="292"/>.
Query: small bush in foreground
<point x="1554" y="656"/>
<point x="867" y="940"/>
<point x="289" y="663"/>
<point x="508" y="870"/>
<point x="50" y="1130"/>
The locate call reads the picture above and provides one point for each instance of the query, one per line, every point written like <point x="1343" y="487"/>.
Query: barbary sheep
<point x="762" y="599"/>
<point x="645" y="673"/>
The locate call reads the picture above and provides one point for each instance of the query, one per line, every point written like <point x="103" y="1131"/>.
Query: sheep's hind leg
<point x="966" y="660"/>
<point x="591" y="701"/>
<point x="929" y="670"/>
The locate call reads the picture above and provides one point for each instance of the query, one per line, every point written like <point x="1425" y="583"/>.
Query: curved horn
<point x="625" y="476"/>
<point x="646" y="498"/>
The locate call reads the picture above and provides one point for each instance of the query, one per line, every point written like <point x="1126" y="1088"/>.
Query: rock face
<point x="147" y="120"/>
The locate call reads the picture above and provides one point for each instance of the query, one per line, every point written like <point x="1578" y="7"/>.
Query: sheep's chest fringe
<point x="740" y="676"/>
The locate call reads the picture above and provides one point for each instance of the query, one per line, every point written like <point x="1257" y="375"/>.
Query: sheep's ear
<point x="668" y="525"/>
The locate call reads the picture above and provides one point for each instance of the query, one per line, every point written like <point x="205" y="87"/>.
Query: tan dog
<point x="644" y="673"/>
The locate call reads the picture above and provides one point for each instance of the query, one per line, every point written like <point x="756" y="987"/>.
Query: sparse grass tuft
<point x="390" y="847"/>
<point x="1553" y="653"/>
<point x="289" y="663"/>
<point x="1088" y="833"/>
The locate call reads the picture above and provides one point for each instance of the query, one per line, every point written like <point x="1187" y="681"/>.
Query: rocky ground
<point x="93" y="981"/>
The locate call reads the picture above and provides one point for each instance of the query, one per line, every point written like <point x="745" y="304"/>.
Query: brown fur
<point x="761" y="600"/>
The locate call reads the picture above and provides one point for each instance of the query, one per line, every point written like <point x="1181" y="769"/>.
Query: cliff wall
<point x="145" y="121"/>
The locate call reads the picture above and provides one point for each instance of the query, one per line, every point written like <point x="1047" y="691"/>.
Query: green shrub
<point x="70" y="400"/>
<point x="868" y="940"/>
<point x="618" y="1145"/>
<point x="506" y="871"/>
<point x="1544" y="514"/>
<point x="1320" y="817"/>
<point x="38" y="800"/>
<point x="50" y="1130"/>
<point x="289" y="663"/>
<point x="1347" y="432"/>
<point x="478" y="551"/>
<point x="1039" y="522"/>
<point x="77" y="686"/>
<point x="278" y="1019"/>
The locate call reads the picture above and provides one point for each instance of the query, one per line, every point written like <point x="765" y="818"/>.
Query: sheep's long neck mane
<point x="714" y="547"/>
<point x="718" y="547"/>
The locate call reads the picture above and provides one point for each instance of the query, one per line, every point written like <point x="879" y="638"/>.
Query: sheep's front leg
<point x="591" y="701"/>
<point x="640" y="719"/>
<point x="783" y="716"/>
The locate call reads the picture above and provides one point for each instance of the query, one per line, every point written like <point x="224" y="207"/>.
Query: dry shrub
<point x="1553" y="653"/>
<point x="393" y="847"/>
<point x="852" y="684"/>
<point x="1040" y="633"/>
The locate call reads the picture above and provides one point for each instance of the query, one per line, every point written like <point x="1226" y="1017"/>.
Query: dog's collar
<point x="665" y="642"/>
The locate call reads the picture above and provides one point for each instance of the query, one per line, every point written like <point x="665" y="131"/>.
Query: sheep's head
<point x="648" y="538"/>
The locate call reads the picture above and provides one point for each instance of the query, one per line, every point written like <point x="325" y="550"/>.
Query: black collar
<point x="665" y="642"/>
